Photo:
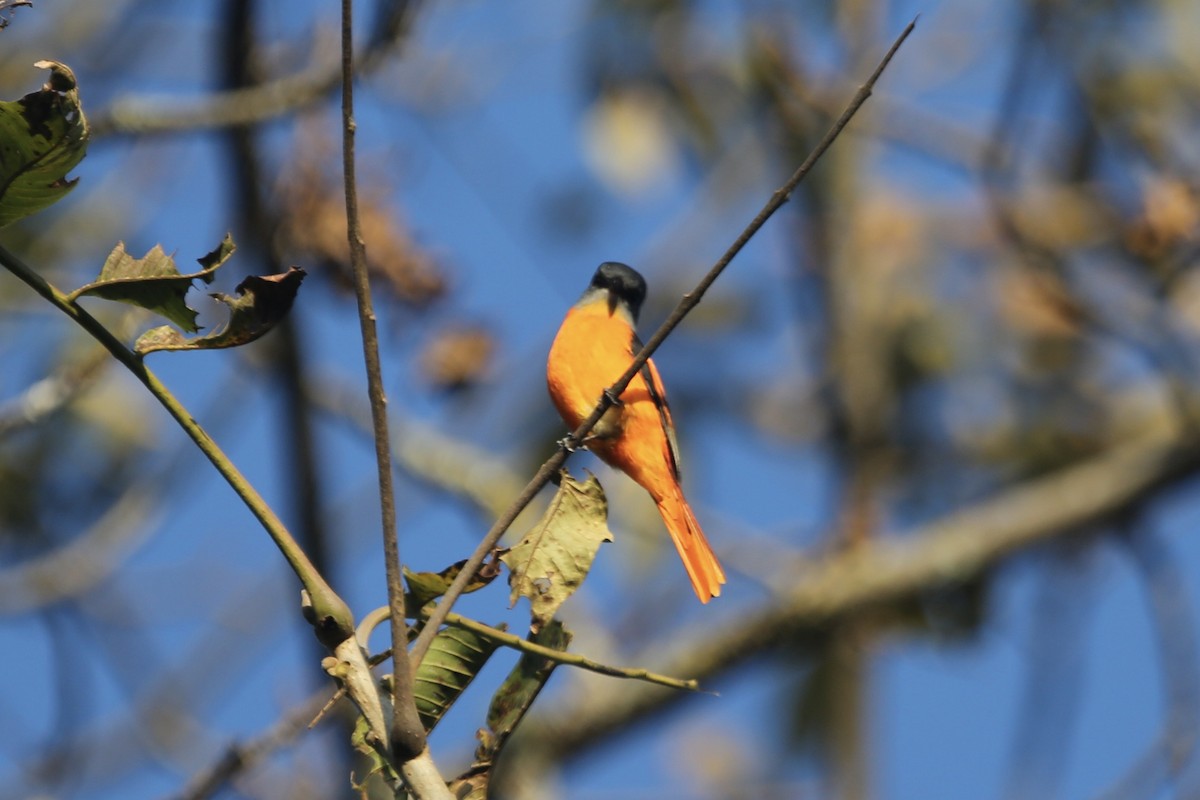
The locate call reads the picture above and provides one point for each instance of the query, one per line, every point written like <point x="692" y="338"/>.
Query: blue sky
<point x="471" y="134"/>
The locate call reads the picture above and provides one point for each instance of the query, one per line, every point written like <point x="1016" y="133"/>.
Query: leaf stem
<point x="562" y="657"/>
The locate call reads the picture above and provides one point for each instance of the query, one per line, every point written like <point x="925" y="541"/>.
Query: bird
<point x="594" y="346"/>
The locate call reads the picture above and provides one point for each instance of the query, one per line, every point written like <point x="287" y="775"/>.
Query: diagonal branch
<point x="523" y="645"/>
<point x="686" y="304"/>
<point x="331" y="619"/>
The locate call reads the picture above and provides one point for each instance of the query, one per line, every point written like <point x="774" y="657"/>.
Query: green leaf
<point x="262" y="301"/>
<point x="153" y="282"/>
<point x="509" y="705"/>
<point x="454" y="658"/>
<point x="550" y="563"/>
<point x="379" y="764"/>
<point x="42" y="137"/>
<point x="425" y="587"/>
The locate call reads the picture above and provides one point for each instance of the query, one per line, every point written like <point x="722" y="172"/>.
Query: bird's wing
<point x="658" y="395"/>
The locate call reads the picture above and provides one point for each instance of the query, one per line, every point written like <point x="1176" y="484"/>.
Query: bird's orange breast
<point x="592" y="349"/>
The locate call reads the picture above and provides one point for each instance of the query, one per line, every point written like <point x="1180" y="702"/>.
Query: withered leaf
<point x="261" y="302"/>
<point x="550" y="563"/>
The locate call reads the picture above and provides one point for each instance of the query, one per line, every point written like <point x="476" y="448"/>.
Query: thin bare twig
<point x="572" y="659"/>
<point x="407" y="739"/>
<point x="686" y="304"/>
<point x="241" y="756"/>
<point x="514" y="642"/>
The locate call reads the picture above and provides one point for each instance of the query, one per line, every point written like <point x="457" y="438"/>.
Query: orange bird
<point x="594" y="347"/>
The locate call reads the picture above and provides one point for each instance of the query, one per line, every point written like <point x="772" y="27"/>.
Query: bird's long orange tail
<point x="698" y="558"/>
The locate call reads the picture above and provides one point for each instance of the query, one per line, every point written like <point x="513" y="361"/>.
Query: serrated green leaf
<point x="262" y="301"/>
<point x="454" y="658"/>
<point x="42" y="137"/>
<point x="153" y="282"/>
<point x="550" y="563"/>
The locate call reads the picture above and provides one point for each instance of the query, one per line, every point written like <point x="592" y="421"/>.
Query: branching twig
<point x="506" y="639"/>
<point x="951" y="549"/>
<point x="562" y="657"/>
<point x="686" y="304"/>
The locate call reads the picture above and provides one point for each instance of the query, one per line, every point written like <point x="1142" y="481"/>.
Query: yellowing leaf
<point x="262" y="301"/>
<point x="42" y="137"/>
<point x="550" y="563"/>
<point x="153" y="282"/>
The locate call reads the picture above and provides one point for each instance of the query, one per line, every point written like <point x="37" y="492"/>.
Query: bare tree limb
<point x="147" y="114"/>
<point x="949" y="551"/>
